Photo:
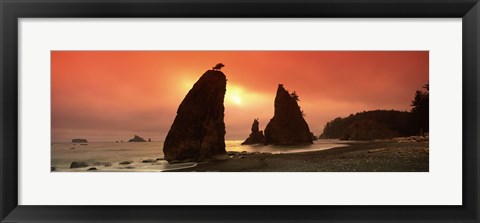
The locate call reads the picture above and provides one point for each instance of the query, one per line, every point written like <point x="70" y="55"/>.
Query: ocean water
<point x="63" y="154"/>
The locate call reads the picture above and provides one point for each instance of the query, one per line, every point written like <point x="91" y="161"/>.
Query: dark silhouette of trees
<point x="420" y="111"/>
<point x="218" y="66"/>
<point x="380" y="124"/>
<point x="369" y="125"/>
<point x="294" y="95"/>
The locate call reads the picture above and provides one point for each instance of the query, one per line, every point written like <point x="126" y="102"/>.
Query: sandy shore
<point x="377" y="156"/>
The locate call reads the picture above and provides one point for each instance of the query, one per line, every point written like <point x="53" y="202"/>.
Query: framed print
<point x="276" y="146"/>
<point x="288" y="111"/>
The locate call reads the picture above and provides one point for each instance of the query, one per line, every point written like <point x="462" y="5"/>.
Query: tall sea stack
<point x="287" y="127"/>
<point x="198" y="131"/>
<point x="256" y="136"/>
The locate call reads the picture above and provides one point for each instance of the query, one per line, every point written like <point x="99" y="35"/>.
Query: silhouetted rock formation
<point x="255" y="136"/>
<point x="198" y="131"/>
<point x="79" y="140"/>
<point x="137" y="139"/>
<point x="287" y="127"/>
<point x="368" y="130"/>
<point x="314" y="138"/>
<point x="370" y="125"/>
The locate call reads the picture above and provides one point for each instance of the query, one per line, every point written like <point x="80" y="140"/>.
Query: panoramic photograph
<point x="239" y="111"/>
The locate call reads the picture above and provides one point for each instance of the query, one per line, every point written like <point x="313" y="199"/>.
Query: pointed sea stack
<point x="198" y="131"/>
<point x="287" y="127"/>
<point x="255" y="136"/>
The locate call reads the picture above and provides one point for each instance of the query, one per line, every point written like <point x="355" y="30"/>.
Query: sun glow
<point x="234" y="95"/>
<point x="236" y="99"/>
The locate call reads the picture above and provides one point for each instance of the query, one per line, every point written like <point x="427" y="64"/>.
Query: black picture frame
<point x="12" y="10"/>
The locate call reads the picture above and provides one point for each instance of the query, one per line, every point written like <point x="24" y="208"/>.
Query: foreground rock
<point x="149" y="161"/>
<point x="256" y="136"/>
<point x="287" y="127"/>
<point x="412" y="139"/>
<point x="198" y="131"/>
<point x="125" y="162"/>
<point x="137" y="139"/>
<point x="78" y="165"/>
<point x="79" y="140"/>
<point x="240" y="155"/>
<point x="102" y="164"/>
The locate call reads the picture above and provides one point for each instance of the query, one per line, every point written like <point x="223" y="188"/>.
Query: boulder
<point x="79" y="140"/>
<point x="102" y="164"/>
<point x="232" y="153"/>
<point x="256" y="136"/>
<point x="198" y="131"/>
<point x="287" y="127"/>
<point x="149" y="161"/>
<point x="126" y="162"/>
<point x="78" y="165"/>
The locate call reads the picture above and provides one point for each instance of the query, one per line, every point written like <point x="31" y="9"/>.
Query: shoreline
<point x="370" y="156"/>
<point x="407" y="154"/>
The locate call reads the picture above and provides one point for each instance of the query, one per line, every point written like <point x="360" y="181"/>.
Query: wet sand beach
<point x="148" y="156"/>
<point x="372" y="156"/>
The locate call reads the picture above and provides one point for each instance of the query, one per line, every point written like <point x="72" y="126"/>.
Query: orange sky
<point x="112" y="95"/>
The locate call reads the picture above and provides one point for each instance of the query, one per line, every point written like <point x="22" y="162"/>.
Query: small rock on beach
<point x="149" y="161"/>
<point x="78" y="165"/>
<point x="126" y="162"/>
<point x="102" y="164"/>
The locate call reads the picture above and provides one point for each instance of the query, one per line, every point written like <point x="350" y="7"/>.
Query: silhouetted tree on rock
<point x="218" y="66"/>
<point x="295" y="96"/>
